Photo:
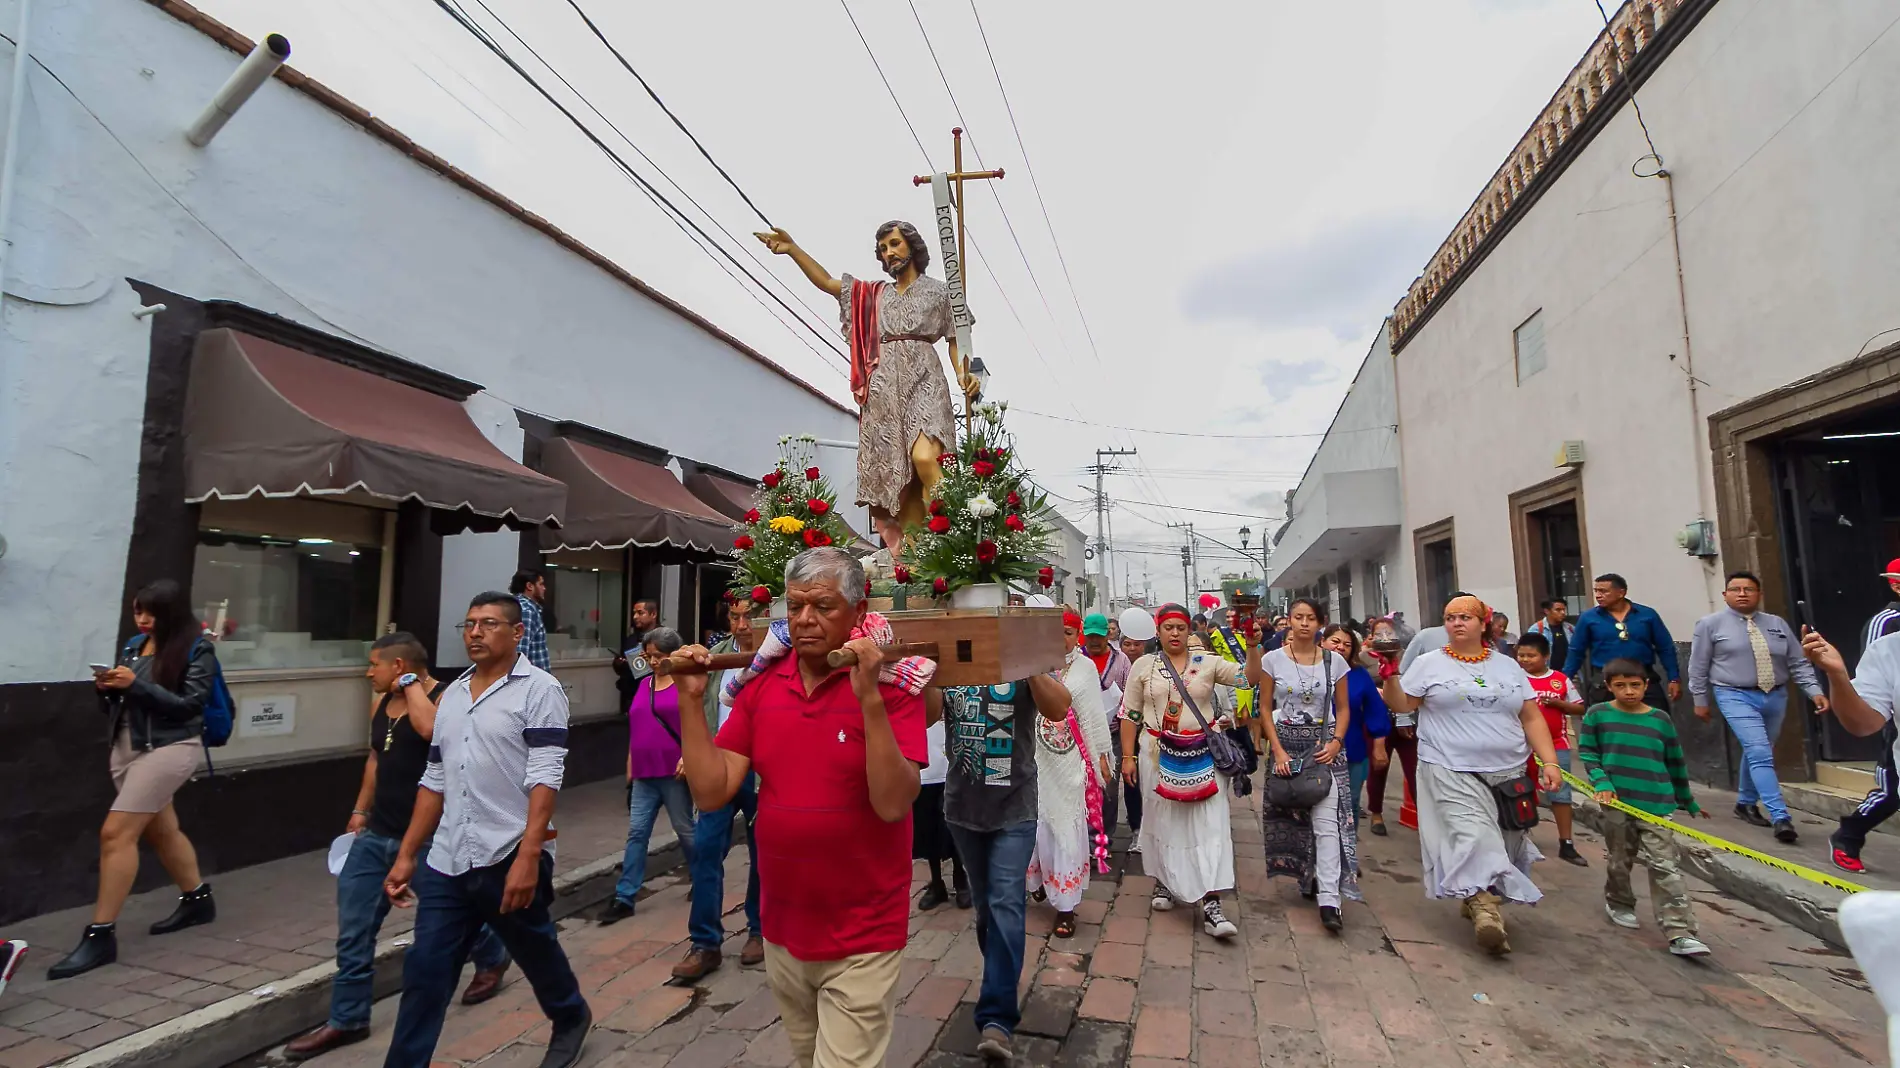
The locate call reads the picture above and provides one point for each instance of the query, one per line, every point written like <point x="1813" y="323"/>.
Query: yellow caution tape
<point x="1726" y="846"/>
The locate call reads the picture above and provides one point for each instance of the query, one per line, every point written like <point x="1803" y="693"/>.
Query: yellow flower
<point x="788" y="524"/>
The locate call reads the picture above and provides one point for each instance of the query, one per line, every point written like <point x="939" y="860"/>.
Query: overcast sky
<point x="1241" y="191"/>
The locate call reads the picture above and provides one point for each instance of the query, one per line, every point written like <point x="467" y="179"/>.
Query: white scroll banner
<point x="952" y="263"/>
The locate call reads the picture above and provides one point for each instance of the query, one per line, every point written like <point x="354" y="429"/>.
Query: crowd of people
<point x="842" y="776"/>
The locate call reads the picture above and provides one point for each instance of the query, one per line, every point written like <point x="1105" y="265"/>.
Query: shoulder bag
<point x="1228" y="758"/>
<point x="1307" y="781"/>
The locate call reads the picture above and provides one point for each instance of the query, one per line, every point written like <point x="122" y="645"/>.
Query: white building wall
<point x="1776" y="124"/>
<point x="296" y="211"/>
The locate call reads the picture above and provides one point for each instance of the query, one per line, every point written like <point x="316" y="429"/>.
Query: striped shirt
<point x="1637" y="756"/>
<point x="487" y="756"/>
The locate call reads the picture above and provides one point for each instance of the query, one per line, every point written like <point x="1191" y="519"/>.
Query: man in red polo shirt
<point x="838" y="754"/>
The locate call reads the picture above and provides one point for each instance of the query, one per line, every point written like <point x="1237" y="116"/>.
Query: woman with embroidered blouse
<point x="1186" y="838"/>
<point x="1479" y="722"/>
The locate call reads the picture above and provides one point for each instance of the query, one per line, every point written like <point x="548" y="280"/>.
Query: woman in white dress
<point x="1071" y="770"/>
<point x="1478" y="725"/>
<point x="1187" y="842"/>
<point x="1305" y="687"/>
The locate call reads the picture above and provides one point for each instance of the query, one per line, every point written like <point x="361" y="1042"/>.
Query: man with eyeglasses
<point x="1742" y="659"/>
<point x="1620" y="628"/>
<point x="485" y="808"/>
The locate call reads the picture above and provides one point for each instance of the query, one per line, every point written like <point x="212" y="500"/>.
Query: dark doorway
<point x="1557" y="566"/>
<point x="1437" y="561"/>
<point x="1839" y="510"/>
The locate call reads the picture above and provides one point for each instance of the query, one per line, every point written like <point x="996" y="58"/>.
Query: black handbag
<point x="1305" y="787"/>
<point x="1517" y="803"/>
<point x="1228" y="759"/>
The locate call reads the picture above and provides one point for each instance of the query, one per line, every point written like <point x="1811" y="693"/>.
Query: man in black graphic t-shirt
<point x="989" y="801"/>
<point x="399" y="747"/>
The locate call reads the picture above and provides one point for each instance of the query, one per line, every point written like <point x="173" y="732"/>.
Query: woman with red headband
<point x="1478" y="724"/>
<point x="1187" y="843"/>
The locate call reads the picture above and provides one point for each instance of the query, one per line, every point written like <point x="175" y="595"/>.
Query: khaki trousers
<point x="837" y="1013"/>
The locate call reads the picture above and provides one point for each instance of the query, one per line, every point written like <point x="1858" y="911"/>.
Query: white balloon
<point x="1138" y="624"/>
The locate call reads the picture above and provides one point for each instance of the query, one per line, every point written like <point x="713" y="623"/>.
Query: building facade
<point x="334" y="386"/>
<point x="1341" y="541"/>
<point x="1645" y="331"/>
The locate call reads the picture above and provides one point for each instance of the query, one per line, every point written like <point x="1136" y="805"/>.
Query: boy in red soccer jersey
<point x="1560" y="701"/>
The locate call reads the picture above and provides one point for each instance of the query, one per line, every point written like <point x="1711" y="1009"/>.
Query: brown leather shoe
<point x="322" y="1040"/>
<point x="697" y="964"/>
<point x="753" y="954"/>
<point x="485" y="985"/>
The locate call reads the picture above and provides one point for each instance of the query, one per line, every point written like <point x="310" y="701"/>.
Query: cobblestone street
<point x="1404" y="985"/>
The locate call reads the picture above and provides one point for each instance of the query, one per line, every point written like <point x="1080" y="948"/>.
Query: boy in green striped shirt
<point x="1631" y="754"/>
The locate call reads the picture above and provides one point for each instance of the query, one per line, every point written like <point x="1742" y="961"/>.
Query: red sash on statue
<point x="866" y="341"/>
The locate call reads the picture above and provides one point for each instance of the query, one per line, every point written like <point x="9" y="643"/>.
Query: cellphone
<point x="100" y="669"/>
<point x="1801" y="617"/>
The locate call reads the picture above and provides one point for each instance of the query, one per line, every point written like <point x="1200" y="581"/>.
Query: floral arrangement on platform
<point x="794" y="509"/>
<point x="986" y="522"/>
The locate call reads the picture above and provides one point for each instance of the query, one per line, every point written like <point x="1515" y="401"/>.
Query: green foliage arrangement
<point x="986" y="522"/>
<point x="794" y="509"/>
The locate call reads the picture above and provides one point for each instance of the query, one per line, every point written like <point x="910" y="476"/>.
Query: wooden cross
<point x="955" y="274"/>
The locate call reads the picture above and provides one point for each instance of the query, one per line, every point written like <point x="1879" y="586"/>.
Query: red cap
<point x="1893" y="569"/>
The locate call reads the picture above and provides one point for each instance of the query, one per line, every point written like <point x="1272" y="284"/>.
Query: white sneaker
<point x="1134" y="845"/>
<point x="1624" y="918"/>
<point x="1162" y="901"/>
<point x="1688" y="947"/>
<point x="1216" y="922"/>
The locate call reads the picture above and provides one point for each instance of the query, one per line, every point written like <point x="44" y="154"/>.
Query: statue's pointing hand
<point x="777" y="240"/>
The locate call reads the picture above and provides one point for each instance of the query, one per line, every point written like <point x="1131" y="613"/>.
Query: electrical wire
<point x="674" y="213"/>
<point x="669" y="113"/>
<point x="1623" y="73"/>
<point x="1388" y="427"/>
<point x="1033" y="183"/>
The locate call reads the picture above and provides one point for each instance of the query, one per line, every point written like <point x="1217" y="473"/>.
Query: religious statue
<point x="905" y="420"/>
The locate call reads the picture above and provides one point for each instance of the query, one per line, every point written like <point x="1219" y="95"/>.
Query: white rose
<point x="982" y="507"/>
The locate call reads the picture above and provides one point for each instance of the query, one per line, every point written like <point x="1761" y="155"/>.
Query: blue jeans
<point x="1756" y="717"/>
<point x="712" y="837"/>
<point x="449" y="909"/>
<point x="998" y="864"/>
<point x="361" y="907"/>
<point x="643" y="807"/>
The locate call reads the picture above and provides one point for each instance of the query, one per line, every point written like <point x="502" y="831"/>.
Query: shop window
<point x="589" y="601"/>
<point x="290" y="584"/>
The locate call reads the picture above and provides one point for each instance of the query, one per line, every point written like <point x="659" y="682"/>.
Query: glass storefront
<point x="588" y="591"/>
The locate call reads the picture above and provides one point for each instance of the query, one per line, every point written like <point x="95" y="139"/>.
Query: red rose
<point x="982" y="454"/>
<point x="985" y="551"/>
<point x="784" y="498"/>
<point x="812" y="534"/>
<point x="811" y="473"/>
<point x="742" y="542"/>
<point x="761" y="594"/>
<point x="939" y="524"/>
<point x="772" y="480"/>
<point x="1014" y="522"/>
<point x="1002" y="455"/>
<point x="982" y="469"/>
<point x="823" y="539"/>
<point x="818" y="505"/>
<point x="940" y="585"/>
<point x="936" y="507"/>
<point x="901" y="573"/>
<point x="1047" y="576"/>
<point x="946" y="459"/>
<point x="1012" y="500"/>
<point x="752" y="516"/>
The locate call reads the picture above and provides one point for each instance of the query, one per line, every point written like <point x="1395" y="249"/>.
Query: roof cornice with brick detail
<point x="382" y="131"/>
<point x="1641" y="34"/>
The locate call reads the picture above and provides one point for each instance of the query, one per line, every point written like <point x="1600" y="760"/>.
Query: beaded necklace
<point x="1464" y="663"/>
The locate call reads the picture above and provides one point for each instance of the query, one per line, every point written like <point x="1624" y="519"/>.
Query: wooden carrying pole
<point x="680" y="665"/>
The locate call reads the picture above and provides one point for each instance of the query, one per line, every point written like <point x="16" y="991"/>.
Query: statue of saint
<point x="905" y="421"/>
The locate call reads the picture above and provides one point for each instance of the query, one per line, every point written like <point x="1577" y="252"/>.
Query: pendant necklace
<point x="1308" y="684"/>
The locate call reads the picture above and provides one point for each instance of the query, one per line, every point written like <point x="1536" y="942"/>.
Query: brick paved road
<point x="1148" y="991"/>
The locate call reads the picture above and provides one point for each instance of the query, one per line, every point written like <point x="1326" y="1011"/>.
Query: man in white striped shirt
<point x="486" y="805"/>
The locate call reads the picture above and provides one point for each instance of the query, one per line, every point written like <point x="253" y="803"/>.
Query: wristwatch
<point x="407" y="680"/>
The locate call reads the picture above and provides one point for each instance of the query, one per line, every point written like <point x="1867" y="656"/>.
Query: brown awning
<point x="615" y="501"/>
<point x="265" y="419"/>
<point x="726" y="495"/>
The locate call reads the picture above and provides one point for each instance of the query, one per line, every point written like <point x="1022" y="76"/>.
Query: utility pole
<point x="1187" y="555"/>
<point x="1189" y="559"/>
<point x="1099" y="469"/>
